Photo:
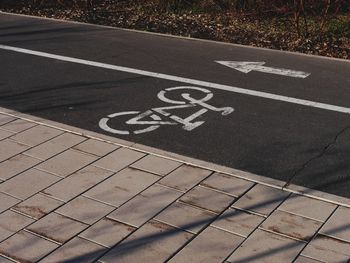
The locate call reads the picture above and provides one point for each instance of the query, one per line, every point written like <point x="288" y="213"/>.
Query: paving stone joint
<point x="70" y="197"/>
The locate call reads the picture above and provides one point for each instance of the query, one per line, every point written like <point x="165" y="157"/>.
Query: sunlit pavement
<point x="80" y="181"/>
<point x="68" y="197"/>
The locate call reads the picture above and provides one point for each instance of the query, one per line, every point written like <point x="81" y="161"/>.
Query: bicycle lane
<point x="182" y="57"/>
<point x="270" y="138"/>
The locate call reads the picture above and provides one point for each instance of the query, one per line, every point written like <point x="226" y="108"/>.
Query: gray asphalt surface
<point x="295" y="143"/>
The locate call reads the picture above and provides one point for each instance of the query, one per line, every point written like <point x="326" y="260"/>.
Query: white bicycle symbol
<point x="157" y="114"/>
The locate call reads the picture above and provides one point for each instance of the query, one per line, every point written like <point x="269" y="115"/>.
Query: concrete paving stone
<point x="185" y="177"/>
<point x="328" y="249"/>
<point x="145" y="205"/>
<point x="238" y="222"/>
<point x="5" y="134"/>
<point x="85" y="210"/>
<point x="16" y="165"/>
<point x="10" y="148"/>
<point x="302" y="259"/>
<point x="5" y="119"/>
<point x="157" y="165"/>
<point x="107" y="232"/>
<point x="119" y="159"/>
<point x="207" y="199"/>
<point x="66" y="163"/>
<point x="36" y="135"/>
<point x="7" y="202"/>
<point x="338" y="225"/>
<point x="57" y="227"/>
<point x="153" y="242"/>
<point x="291" y="225"/>
<point x="18" y="125"/>
<point x="308" y="207"/>
<point x="211" y="245"/>
<point x="185" y="217"/>
<point x="228" y="184"/>
<point x="11" y="222"/>
<point x="267" y="247"/>
<point x="5" y="260"/>
<point x="122" y="186"/>
<point x="96" y="147"/>
<point x="28" y="183"/>
<point x="261" y="199"/>
<point x="55" y="146"/>
<point x="76" y="250"/>
<point x="319" y="194"/>
<point x="77" y="183"/>
<point x="37" y="206"/>
<point x="26" y="247"/>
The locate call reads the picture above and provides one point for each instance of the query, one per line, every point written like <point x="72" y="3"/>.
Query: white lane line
<point x="254" y="93"/>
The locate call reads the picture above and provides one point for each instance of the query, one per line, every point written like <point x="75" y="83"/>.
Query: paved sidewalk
<point x="66" y="197"/>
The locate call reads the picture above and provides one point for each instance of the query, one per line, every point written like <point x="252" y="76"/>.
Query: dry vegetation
<point x="311" y="26"/>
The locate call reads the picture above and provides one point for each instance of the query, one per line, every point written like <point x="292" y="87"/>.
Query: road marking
<point x="157" y="120"/>
<point x="104" y="123"/>
<point x="254" y="93"/>
<point x="246" y="67"/>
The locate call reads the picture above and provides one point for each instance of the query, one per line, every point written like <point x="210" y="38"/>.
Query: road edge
<point x="315" y="194"/>
<point x="177" y="36"/>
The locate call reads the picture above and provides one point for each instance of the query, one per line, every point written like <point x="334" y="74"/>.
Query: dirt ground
<point x="276" y="32"/>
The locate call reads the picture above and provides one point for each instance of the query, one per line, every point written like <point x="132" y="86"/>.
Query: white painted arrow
<point x="246" y="67"/>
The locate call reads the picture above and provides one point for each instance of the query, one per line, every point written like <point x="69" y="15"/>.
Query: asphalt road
<point x="268" y="121"/>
